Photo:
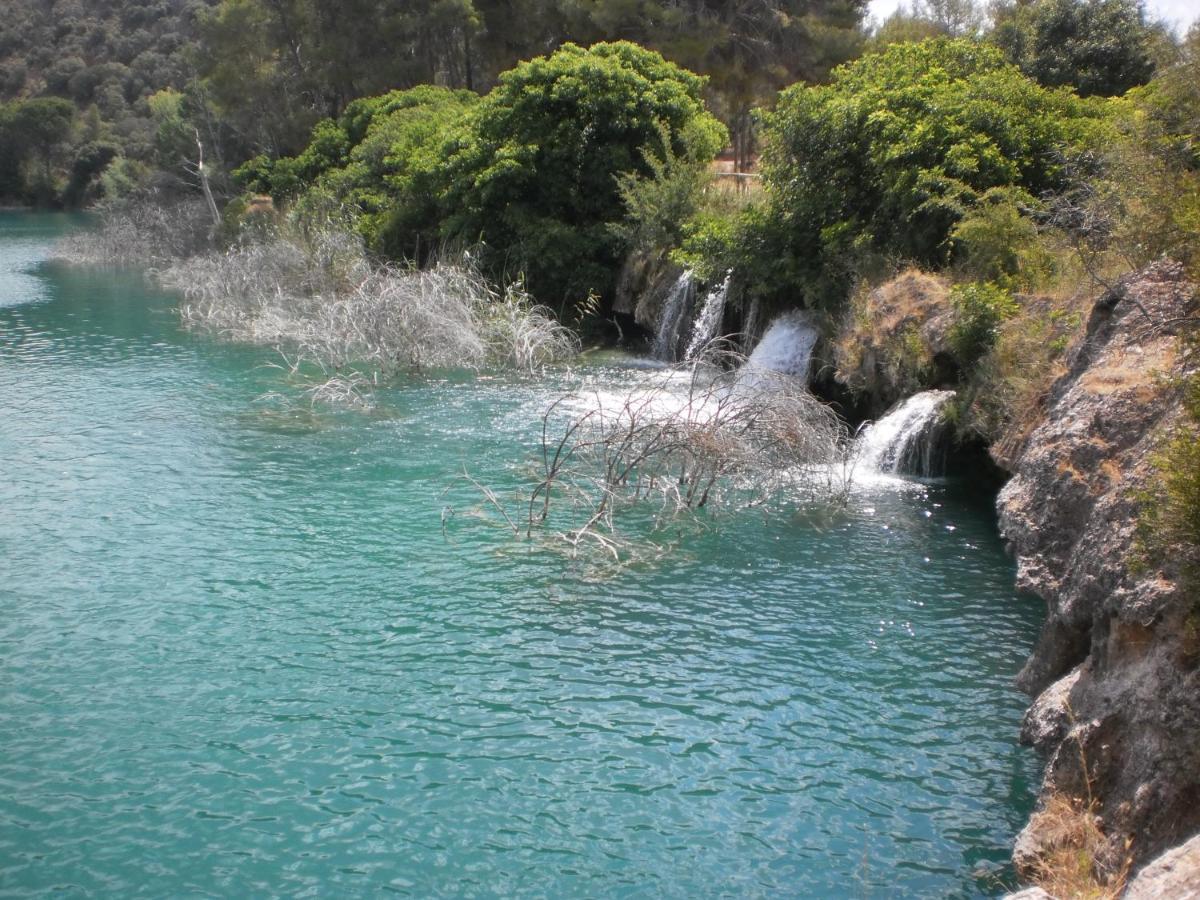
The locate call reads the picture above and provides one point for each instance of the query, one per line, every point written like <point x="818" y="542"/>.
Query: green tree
<point x="276" y="67"/>
<point x="534" y="175"/>
<point x="747" y="50"/>
<point x="46" y="123"/>
<point x="1099" y="47"/>
<point x="929" y="19"/>
<point x="886" y="158"/>
<point x="90" y="162"/>
<point x="383" y="157"/>
<point x="174" y="136"/>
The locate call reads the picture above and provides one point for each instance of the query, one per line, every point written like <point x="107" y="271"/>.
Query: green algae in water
<point x="241" y="658"/>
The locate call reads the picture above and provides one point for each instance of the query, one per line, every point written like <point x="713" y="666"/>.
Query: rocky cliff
<point x="1116" y="671"/>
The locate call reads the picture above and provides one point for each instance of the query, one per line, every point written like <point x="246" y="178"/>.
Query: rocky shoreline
<point x="1116" y="670"/>
<point x="1115" y="674"/>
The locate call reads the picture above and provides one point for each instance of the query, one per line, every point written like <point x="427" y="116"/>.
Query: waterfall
<point x="674" y="312"/>
<point x="908" y="439"/>
<point x="708" y="323"/>
<point x="750" y="325"/>
<point x="787" y="346"/>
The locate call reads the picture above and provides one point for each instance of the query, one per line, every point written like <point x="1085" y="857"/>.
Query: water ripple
<point x="240" y="659"/>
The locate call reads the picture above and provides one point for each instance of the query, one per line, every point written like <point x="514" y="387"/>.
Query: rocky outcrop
<point x="643" y="284"/>
<point x="1173" y="876"/>
<point x="1115" y="668"/>
<point x="895" y="341"/>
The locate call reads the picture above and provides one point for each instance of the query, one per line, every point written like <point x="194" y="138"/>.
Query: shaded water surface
<point x="238" y="655"/>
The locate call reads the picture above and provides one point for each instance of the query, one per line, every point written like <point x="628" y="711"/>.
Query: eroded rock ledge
<point x="1116" y="671"/>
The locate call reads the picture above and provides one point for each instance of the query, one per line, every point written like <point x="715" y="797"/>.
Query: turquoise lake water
<point x="239" y="656"/>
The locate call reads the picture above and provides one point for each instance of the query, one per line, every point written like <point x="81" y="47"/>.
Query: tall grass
<point x="336" y="309"/>
<point x="147" y="233"/>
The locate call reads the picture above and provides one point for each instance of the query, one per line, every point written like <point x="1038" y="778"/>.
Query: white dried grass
<point x="708" y="440"/>
<point x="324" y="300"/>
<point x="142" y="234"/>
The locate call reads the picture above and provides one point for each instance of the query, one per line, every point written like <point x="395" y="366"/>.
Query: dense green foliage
<point x="980" y="308"/>
<point x="255" y="76"/>
<point x="1169" y="520"/>
<point x="535" y="174"/>
<point x="106" y="58"/>
<point x="888" y="157"/>
<point x="384" y="157"/>
<point x="275" y="68"/>
<point x="32" y="134"/>
<point x="1096" y="46"/>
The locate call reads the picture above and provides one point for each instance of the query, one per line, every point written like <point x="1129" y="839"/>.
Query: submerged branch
<point x="699" y="441"/>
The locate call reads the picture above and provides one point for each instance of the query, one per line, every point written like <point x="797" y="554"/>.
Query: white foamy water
<point x="675" y="312"/>
<point x="708" y="322"/>
<point x="906" y="440"/>
<point x="787" y="346"/>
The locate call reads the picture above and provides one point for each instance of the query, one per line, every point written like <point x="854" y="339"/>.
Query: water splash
<point x="908" y="440"/>
<point x="674" y="313"/>
<point x="708" y="322"/>
<point x="787" y="346"/>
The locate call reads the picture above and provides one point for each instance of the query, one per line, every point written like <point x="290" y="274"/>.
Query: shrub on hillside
<point x="886" y="159"/>
<point x="534" y="173"/>
<point x="979" y="310"/>
<point x="1169" y="519"/>
<point x="382" y="158"/>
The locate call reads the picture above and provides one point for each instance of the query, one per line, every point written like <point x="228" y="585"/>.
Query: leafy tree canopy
<point x="534" y="175"/>
<point x="1099" y="47"/>
<point x="888" y="156"/>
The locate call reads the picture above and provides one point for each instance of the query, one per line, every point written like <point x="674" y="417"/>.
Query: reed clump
<point x="306" y="285"/>
<point x="321" y="296"/>
<point x="146" y="233"/>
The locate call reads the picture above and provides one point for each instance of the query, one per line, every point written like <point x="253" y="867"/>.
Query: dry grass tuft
<point x="890" y="332"/>
<point x="308" y="288"/>
<point x="1070" y="832"/>
<point x="145" y="234"/>
<point x="326" y="302"/>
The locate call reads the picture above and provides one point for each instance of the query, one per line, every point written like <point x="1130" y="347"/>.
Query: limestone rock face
<point x="642" y="287"/>
<point x="1124" y="725"/>
<point x="1033" y="893"/>
<point x="1173" y="876"/>
<point x="900" y="327"/>
<point x="1047" y="722"/>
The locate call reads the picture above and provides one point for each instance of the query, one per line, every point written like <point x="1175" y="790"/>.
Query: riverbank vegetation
<point x="1026" y="171"/>
<point x="944" y="195"/>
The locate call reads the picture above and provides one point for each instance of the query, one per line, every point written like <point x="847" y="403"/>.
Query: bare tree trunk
<point x="204" y="185"/>
<point x="469" y="69"/>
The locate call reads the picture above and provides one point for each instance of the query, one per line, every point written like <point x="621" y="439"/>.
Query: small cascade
<point x="675" y="312"/>
<point x="787" y="347"/>
<point x="708" y="323"/>
<point x="750" y="324"/>
<point x="908" y="440"/>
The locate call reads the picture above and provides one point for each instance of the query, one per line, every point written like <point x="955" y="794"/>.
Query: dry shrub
<point x="306" y="286"/>
<point x="325" y="301"/>
<point x="1069" y="831"/>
